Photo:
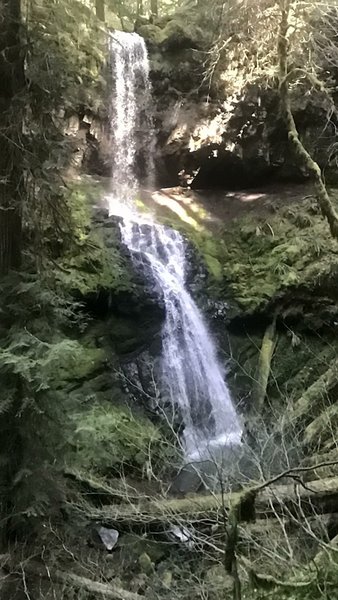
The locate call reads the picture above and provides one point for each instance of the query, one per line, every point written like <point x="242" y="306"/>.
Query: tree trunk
<point x="95" y="588"/>
<point x="264" y="368"/>
<point x="318" y="496"/>
<point x="100" y="12"/>
<point x="11" y="176"/>
<point x="303" y="156"/>
<point x="154" y="7"/>
<point x="139" y="9"/>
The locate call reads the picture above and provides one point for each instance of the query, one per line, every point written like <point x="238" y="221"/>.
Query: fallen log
<point x="319" y="496"/>
<point x="264" y="368"/>
<point x="72" y="580"/>
<point x="314" y="399"/>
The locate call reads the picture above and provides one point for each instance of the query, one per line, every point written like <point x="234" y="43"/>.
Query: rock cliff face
<point x="213" y="137"/>
<point x="208" y="134"/>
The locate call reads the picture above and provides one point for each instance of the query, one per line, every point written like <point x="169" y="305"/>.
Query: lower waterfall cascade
<point x="191" y="375"/>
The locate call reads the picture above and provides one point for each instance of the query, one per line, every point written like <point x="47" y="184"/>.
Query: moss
<point x="151" y="33"/>
<point x="263" y="258"/>
<point x="131" y="547"/>
<point x="79" y="364"/>
<point x="319" y="432"/>
<point x="180" y="33"/>
<point x="128" y="334"/>
<point x="95" y="268"/>
<point x="113" y="21"/>
<point x="108" y="436"/>
<point x="298" y="362"/>
<point x="214" y="266"/>
<point x="175" y="33"/>
<point x="146" y="564"/>
<point x="127" y="25"/>
<point x="263" y="255"/>
<point x="94" y="262"/>
<point x="211" y="250"/>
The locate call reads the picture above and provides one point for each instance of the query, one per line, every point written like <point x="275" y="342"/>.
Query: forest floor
<point x="214" y="208"/>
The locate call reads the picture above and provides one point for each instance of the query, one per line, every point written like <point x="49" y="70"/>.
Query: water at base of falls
<point x="191" y="375"/>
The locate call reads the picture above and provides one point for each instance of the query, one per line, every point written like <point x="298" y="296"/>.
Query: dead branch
<point x="71" y="579"/>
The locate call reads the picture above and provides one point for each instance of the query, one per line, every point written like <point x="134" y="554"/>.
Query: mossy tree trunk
<point x="11" y="195"/>
<point x="154" y="7"/>
<point x="100" y="9"/>
<point x="302" y="155"/>
<point x="264" y="368"/>
<point x="11" y="172"/>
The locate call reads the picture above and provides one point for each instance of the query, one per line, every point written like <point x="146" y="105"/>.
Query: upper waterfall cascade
<point x="191" y="375"/>
<point x="131" y="115"/>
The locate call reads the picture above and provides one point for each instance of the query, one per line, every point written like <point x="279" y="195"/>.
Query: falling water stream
<point x="191" y="374"/>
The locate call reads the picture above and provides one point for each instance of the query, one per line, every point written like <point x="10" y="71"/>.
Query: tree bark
<point x="11" y="175"/>
<point x="154" y="7"/>
<point x="71" y="579"/>
<point x="305" y="159"/>
<point x="100" y="10"/>
<point x="315" y="397"/>
<point x="264" y="368"/>
<point x="318" y="495"/>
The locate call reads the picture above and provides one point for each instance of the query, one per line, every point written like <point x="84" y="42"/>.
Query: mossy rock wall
<point x="267" y="254"/>
<point x="218" y="118"/>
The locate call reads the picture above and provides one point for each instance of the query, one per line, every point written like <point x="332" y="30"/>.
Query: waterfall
<point x="131" y="115"/>
<point x="191" y="375"/>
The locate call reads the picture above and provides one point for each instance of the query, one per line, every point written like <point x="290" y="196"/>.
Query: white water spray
<point x="191" y="373"/>
<point x="131" y="116"/>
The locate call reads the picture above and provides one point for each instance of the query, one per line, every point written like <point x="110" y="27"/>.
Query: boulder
<point x="113" y="21"/>
<point x="109" y="537"/>
<point x="127" y="25"/>
<point x="151" y="33"/>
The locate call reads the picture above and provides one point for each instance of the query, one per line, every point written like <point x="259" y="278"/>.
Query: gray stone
<point x="109" y="537"/>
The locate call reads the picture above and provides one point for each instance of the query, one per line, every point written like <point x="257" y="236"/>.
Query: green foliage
<point x="142" y="8"/>
<point x="109" y="438"/>
<point x="175" y="34"/>
<point x="265" y="256"/>
<point x="318" y="581"/>
<point x="33" y="347"/>
<point x="91" y="263"/>
<point x="65" y="59"/>
<point x="261" y="255"/>
<point x="66" y="55"/>
<point x="32" y="344"/>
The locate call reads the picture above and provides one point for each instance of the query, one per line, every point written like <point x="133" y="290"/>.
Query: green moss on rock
<point x="267" y="254"/>
<point x="182" y="33"/>
<point x="108" y="436"/>
<point x="79" y="363"/>
<point x="175" y="33"/>
<point x="264" y="257"/>
<point x="319" y="432"/>
<point x="94" y="262"/>
<point x="151" y="33"/>
<point x="113" y="21"/>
